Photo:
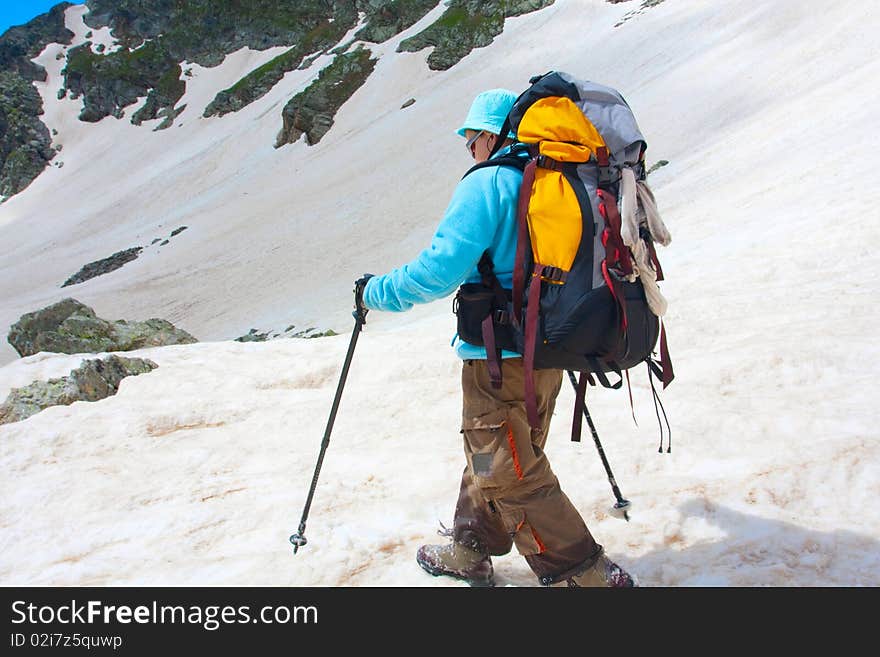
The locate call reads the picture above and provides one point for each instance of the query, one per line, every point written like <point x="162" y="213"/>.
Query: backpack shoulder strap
<point x="512" y="159"/>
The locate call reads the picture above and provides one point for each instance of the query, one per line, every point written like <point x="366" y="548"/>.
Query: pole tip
<point x="298" y="540"/>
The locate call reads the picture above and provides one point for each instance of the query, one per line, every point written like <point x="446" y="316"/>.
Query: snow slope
<point x="197" y="472"/>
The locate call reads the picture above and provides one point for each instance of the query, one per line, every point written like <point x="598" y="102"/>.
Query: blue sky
<point x="18" y="12"/>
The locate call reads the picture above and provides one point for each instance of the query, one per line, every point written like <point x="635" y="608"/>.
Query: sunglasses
<point x="471" y="144"/>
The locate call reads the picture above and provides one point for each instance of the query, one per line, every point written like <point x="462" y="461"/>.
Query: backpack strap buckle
<point x="546" y="162"/>
<point x="554" y="274"/>
<point x="606" y="176"/>
<point x="501" y="317"/>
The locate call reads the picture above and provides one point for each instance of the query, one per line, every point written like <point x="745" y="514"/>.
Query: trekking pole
<point x="622" y="506"/>
<point x="360" y="318"/>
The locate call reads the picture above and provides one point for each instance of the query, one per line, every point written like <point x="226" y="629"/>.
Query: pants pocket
<point x="491" y="450"/>
<point x="525" y="538"/>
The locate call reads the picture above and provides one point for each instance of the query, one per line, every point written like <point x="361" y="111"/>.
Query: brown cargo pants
<point x="509" y="495"/>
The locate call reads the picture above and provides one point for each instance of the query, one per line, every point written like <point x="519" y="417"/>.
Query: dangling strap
<point x="617" y="262"/>
<point x="531" y="338"/>
<point x="597" y="368"/>
<point x="523" y="242"/>
<point x="657" y="411"/>
<point x="580" y="405"/>
<point x="632" y="407"/>
<point x="616" y="252"/>
<point x="493" y="354"/>
<point x="665" y="361"/>
<point x="654" y="260"/>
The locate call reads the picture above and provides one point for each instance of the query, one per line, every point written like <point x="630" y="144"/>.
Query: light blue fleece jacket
<point x="480" y="216"/>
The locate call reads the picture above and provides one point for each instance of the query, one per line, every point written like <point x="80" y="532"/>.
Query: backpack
<point x="584" y="296"/>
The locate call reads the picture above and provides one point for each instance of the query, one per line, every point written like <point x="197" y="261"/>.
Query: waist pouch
<point x="473" y="303"/>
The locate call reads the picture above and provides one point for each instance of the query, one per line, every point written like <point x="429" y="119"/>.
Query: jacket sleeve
<point x="467" y="229"/>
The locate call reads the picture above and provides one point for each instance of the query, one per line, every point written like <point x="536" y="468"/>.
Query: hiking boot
<point x="603" y="573"/>
<point x="457" y="560"/>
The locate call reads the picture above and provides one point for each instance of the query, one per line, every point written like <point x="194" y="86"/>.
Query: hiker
<point x="509" y="494"/>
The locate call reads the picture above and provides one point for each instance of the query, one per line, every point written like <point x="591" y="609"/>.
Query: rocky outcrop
<point x="71" y="327"/>
<point x="158" y="34"/>
<point x="205" y="31"/>
<point x="386" y="19"/>
<point x="255" y="84"/>
<point x="311" y="112"/>
<point x="155" y="36"/>
<point x="465" y="25"/>
<point x="104" y="265"/>
<point x="20" y="44"/>
<point x="110" y="83"/>
<point x="25" y="144"/>
<point x="383" y="20"/>
<point x="92" y="381"/>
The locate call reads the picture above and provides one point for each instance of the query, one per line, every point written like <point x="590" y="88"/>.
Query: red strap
<point x="654" y="260"/>
<point x="665" y="361"/>
<point x="616" y="252"/>
<point x="492" y="359"/>
<point x="531" y="337"/>
<point x="522" y="239"/>
<point x="632" y="408"/>
<point x="602" y="156"/>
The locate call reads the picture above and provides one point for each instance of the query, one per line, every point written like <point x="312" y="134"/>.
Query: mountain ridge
<point x="154" y="37"/>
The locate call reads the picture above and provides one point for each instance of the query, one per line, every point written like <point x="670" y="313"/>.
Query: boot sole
<point x="438" y="572"/>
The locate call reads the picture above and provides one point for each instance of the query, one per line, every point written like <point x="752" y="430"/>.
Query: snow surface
<point x="197" y="472"/>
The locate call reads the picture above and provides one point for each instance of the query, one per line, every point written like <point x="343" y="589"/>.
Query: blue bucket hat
<point x="488" y="112"/>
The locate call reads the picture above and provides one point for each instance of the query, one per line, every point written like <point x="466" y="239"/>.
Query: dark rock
<point x="646" y="4"/>
<point x="25" y="142"/>
<point x="204" y="31"/>
<point x="110" y="83"/>
<point x="253" y="336"/>
<point x="311" y="112"/>
<point x="92" y="381"/>
<point x="312" y="332"/>
<point x="71" y="327"/>
<point x="390" y="18"/>
<point x="104" y="266"/>
<point x="313" y="34"/>
<point x="308" y="61"/>
<point x="408" y="103"/>
<point x="260" y="81"/>
<point x="465" y="25"/>
<point x="20" y="104"/>
<point x="338" y="50"/>
<point x="168" y="115"/>
<point x="178" y="231"/>
<point x="657" y="165"/>
<point x="20" y="44"/>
